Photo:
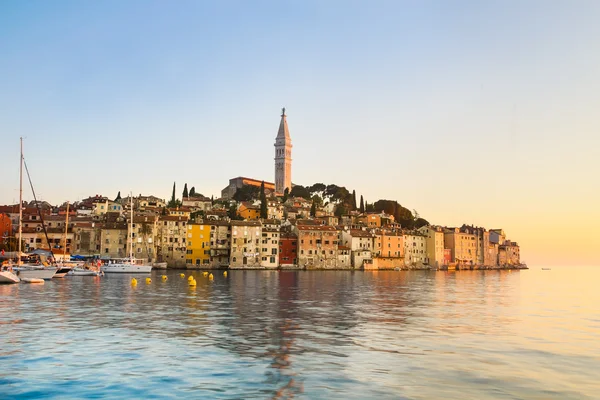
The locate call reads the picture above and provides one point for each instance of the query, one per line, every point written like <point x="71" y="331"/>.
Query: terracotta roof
<point x="360" y="233"/>
<point x="172" y="218"/>
<point x="245" y="223"/>
<point x="340" y="247"/>
<point x="316" y="228"/>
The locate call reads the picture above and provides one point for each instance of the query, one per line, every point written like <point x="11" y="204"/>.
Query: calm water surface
<point x="329" y="335"/>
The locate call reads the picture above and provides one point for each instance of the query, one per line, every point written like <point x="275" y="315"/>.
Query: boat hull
<point x="37" y="273"/>
<point x="83" y="272"/>
<point x="8" y="277"/>
<point x="126" y="269"/>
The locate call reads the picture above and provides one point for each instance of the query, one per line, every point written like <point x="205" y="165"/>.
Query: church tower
<point x="283" y="157"/>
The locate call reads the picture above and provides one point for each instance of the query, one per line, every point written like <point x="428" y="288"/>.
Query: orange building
<point x="5" y="227"/>
<point x="247" y="210"/>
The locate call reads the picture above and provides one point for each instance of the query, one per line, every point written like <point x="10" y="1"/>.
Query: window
<point x="274" y="251"/>
<point x="234" y="259"/>
<point x="272" y="260"/>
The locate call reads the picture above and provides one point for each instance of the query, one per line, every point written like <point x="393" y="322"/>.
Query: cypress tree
<point x="286" y="193"/>
<point x="263" y="201"/>
<point x="362" y="204"/>
<point x="118" y="196"/>
<point x="354" y="200"/>
<point x="192" y="191"/>
<point x="172" y="202"/>
<point x="313" y="209"/>
<point x="185" y="191"/>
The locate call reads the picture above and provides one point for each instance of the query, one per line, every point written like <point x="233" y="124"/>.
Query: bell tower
<point x="283" y="156"/>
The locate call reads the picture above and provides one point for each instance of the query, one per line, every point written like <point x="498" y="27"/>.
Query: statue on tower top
<point x="283" y="111"/>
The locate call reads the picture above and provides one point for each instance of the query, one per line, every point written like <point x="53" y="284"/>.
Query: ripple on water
<point x="334" y="335"/>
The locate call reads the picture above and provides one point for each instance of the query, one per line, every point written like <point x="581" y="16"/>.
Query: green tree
<point x="300" y="191"/>
<point x="212" y="200"/>
<point x="172" y="202"/>
<point x="286" y="194"/>
<point x="247" y="193"/>
<point x="354" y="200"/>
<point x="192" y="191"/>
<point x="362" y="204"/>
<point x="118" y="196"/>
<point x="340" y="210"/>
<point x="263" y="201"/>
<point x="317" y="187"/>
<point x="318" y="200"/>
<point x="313" y="209"/>
<point x="185" y="191"/>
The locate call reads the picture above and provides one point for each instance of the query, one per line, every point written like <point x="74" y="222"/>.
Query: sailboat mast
<point x="66" y="227"/>
<point x="131" y="228"/>
<point x="20" y="202"/>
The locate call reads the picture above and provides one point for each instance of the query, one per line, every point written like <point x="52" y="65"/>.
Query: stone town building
<point x="415" y="248"/>
<point x="317" y="246"/>
<point x="198" y="245"/>
<point x="509" y="253"/>
<point x="247" y="210"/>
<point x="197" y="203"/>
<point x="220" y="243"/>
<point x="5" y="227"/>
<point x="361" y="245"/>
<point x="245" y="244"/>
<point x="388" y="249"/>
<point x="283" y="157"/>
<point x="171" y="240"/>
<point x="239" y="182"/>
<point x="88" y="237"/>
<point x="344" y="260"/>
<point x="463" y="245"/>
<point x="144" y="230"/>
<point x="114" y="240"/>
<point x="269" y="247"/>
<point x="434" y="245"/>
<point x="288" y="250"/>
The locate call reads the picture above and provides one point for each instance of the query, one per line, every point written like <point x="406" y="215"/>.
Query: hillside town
<point x="255" y="225"/>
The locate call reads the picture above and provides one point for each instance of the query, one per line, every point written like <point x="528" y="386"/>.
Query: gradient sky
<point x="485" y="113"/>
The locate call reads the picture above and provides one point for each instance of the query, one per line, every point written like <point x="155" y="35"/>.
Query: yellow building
<point x="198" y="245"/>
<point x="247" y="210"/>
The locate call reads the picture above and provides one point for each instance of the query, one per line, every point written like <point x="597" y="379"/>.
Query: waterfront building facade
<point x="198" y="245"/>
<point x="245" y="244"/>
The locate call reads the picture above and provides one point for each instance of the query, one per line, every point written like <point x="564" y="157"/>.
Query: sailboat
<point x="127" y="265"/>
<point x="64" y="267"/>
<point x="28" y="271"/>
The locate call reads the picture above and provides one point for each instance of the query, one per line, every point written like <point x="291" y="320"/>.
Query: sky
<point x="477" y="112"/>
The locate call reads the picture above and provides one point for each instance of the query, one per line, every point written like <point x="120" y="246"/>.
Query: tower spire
<point x="283" y="156"/>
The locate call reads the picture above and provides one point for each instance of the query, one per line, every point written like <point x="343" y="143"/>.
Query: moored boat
<point x="7" y="276"/>
<point x="35" y="272"/>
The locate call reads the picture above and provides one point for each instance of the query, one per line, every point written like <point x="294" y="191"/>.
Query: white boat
<point x="35" y="272"/>
<point x="83" y="272"/>
<point x="126" y="266"/>
<point x="129" y="265"/>
<point x="7" y="276"/>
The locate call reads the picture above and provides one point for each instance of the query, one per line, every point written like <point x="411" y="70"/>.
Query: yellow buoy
<point x="182" y="275"/>
<point x="205" y="273"/>
<point x="148" y="280"/>
<point x="133" y="281"/>
<point x="224" y="273"/>
<point x="210" y="277"/>
<point x="192" y="282"/>
<point x="164" y="277"/>
<point x="190" y="278"/>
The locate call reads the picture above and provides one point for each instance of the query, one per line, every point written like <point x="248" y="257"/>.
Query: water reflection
<point x="335" y="334"/>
